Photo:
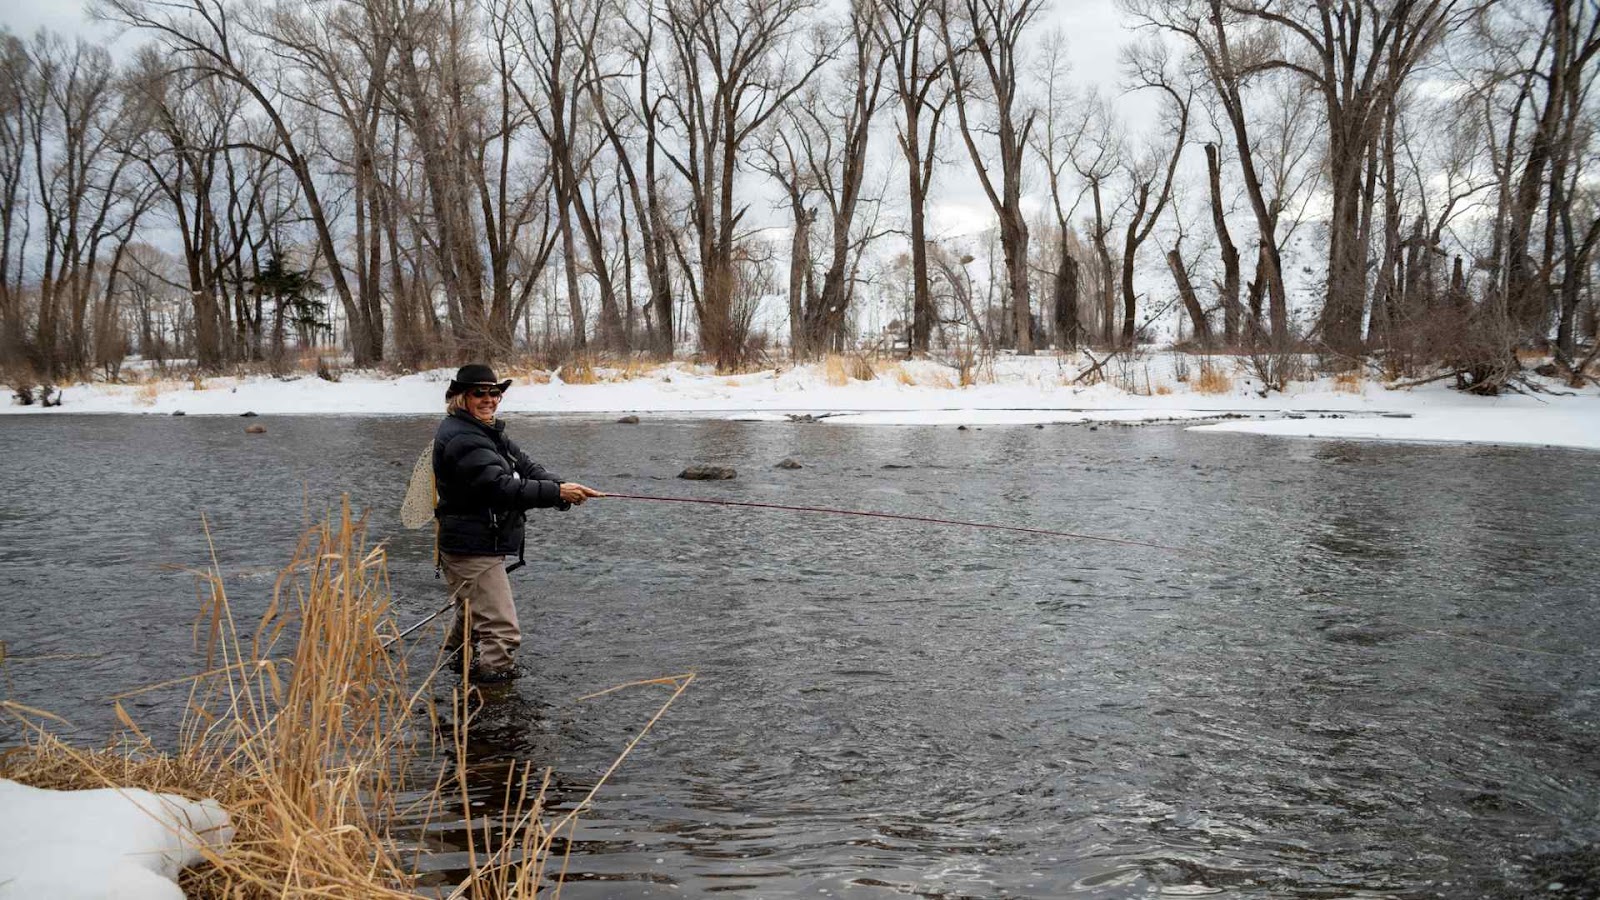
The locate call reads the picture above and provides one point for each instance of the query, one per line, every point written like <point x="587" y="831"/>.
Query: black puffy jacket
<point x="485" y="484"/>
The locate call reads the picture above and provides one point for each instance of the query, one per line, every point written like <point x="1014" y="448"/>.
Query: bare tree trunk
<point x="1191" y="303"/>
<point x="1228" y="288"/>
<point x="1066" y="298"/>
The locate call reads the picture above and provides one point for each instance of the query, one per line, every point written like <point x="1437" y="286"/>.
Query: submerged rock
<point x="255" y="429"/>
<point x="788" y="464"/>
<point x="708" y="473"/>
<point x="628" y="420"/>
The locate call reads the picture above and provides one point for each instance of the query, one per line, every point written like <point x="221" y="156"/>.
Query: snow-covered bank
<point x="1013" y="391"/>
<point x="1570" y="427"/>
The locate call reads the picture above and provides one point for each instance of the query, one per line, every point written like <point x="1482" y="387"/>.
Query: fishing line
<point x="929" y="520"/>
<point x="1016" y="529"/>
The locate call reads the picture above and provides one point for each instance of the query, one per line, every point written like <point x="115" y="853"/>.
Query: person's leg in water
<point x="484" y="590"/>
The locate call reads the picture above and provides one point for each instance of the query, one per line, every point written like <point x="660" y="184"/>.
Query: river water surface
<point x="1372" y="675"/>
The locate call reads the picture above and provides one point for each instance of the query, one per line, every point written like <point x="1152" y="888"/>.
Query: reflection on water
<point x="1318" y="702"/>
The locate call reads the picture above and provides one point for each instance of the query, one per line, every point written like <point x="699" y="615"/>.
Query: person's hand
<point x="575" y="493"/>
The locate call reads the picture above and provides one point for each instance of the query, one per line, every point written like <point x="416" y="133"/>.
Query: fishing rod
<point x="1045" y="532"/>
<point x="928" y="520"/>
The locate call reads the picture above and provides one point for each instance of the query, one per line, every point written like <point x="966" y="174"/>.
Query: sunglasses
<point x="492" y="393"/>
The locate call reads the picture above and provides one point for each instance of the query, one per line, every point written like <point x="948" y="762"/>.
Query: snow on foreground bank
<point x="111" y="842"/>
<point x="1018" y="391"/>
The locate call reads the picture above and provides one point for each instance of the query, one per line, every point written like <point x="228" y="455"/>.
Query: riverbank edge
<point x="1015" y="391"/>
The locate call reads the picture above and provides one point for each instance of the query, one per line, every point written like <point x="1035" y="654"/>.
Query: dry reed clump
<point x="579" y="370"/>
<point x="635" y="367"/>
<point x="1212" y="380"/>
<point x="834" y="371"/>
<point x="896" y="373"/>
<point x="309" y="748"/>
<point x="1163" y="390"/>
<point x="527" y="375"/>
<point x="305" y="750"/>
<point x="839" y="370"/>
<point x="149" y="392"/>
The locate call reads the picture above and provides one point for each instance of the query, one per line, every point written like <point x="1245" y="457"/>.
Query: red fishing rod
<point x="926" y="520"/>
<point x="929" y="520"/>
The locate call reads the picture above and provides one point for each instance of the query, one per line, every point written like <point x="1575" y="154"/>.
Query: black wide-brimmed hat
<point x="474" y="375"/>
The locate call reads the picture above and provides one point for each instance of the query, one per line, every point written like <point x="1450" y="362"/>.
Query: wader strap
<point x="521" y="551"/>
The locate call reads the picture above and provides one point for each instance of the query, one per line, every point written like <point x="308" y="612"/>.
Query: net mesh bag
<point x="417" y="508"/>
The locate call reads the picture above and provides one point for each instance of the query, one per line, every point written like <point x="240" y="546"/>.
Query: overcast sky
<point x="1093" y="29"/>
<point x="1094" y="32"/>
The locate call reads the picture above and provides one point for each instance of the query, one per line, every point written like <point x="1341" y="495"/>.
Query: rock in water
<point x="708" y="473"/>
<point x="788" y="464"/>
<point x="628" y="420"/>
<point x="255" y="429"/>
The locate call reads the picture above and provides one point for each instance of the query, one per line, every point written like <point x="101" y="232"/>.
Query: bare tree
<point x="14" y="68"/>
<point x="1057" y="142"/>
<point x="1230" y="51"/>
<point x="919" y="63"/>
<point x="781" y="161"/>
<point x="735" y="65"/>
<point x="988" y="35"/>
<point x="637" y="104"/>
<point x="1147" y="202"/>
<point x="1563" y="64"/>
<point x="214" y="38"/>
<point x="561" y="48"/>
<point x="1358" y="57"/>
<point x="833" y="127"/>
<point x="76" y="120"/>
<point x="1096" y="158"/>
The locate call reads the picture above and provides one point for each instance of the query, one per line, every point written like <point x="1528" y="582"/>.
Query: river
<point x="1370" y="671"/>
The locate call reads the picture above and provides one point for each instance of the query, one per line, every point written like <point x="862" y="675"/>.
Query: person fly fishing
<point x="476" y="486"/>
<point x="485" y="486"/>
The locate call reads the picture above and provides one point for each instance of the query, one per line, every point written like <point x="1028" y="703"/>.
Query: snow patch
<point x="1536" y="428"/>
<point x="125" y="843"/>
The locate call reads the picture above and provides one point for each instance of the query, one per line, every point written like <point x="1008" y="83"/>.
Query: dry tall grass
<point x="580" y="370"/>
<point x="305" y="731"/>
<point x="839" y="370"/>
<point x="304" y="748"/>
<point x="147" y="393"/>
<point x="1212" y="379"/>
